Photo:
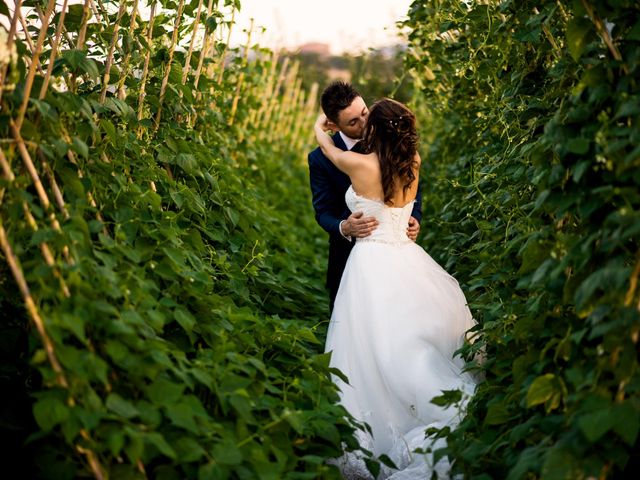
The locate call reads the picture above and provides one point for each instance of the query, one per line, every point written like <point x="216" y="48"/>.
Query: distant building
<point x="321" y="49"/>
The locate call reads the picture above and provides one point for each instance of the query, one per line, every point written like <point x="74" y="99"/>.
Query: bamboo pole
<point x="46" y="251"/>
<point x="18" y="275"/>
<point x="57" y="193"/>
<point x="276" y="91"/>
<point x="187" y="62"/>
<point x="112" y="46"/>
<point x="299" y="121"/>
<point x="54" y="51"/>
<point x="10" y="41"/>
<point x="124" y="72"/>
<point x="283" y="105"/>
<point x="37" y="183"/>
<point x="165" y="79"/>
<point x="205" y="48"/>
<point x="145" y="68"/>
<point x="223" y="59"/>
<point x="26" y="158"/>
<point x="604" y="33"/>
<point x="83" y="25"/>
<point x="32" y="310"/>
<point x="291" y="113"/>
<point x="239" y="85"/>
<point x="25" y="28"/>
<point x="269" y="90"/>
<point x="34" y="64"/>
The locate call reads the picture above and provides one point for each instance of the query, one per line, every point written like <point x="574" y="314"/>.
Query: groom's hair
<point x="336" y="97"/>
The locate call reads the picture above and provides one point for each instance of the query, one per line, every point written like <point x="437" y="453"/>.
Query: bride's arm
<point x="344" y="160"/>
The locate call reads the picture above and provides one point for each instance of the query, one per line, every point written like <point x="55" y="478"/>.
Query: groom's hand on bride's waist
<point x="358" y="225"/>
<point x="413" y="229"/>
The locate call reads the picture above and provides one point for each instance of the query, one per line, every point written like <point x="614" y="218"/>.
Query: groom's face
<point x="352" y="119"/>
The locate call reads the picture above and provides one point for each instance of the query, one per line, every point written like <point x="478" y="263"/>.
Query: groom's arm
<point x="322" y="196"/>
<point x="417" y="207"/>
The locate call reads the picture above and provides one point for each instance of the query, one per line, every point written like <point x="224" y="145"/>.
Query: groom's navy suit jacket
<point x="329" y="185"/>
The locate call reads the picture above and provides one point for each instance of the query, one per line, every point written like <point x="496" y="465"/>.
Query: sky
<point x="346" y="25"/>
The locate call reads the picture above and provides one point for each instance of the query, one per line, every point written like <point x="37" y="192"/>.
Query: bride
<point x="398" y="316"/>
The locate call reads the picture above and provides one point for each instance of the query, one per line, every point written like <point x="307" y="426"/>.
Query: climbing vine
<point x="531" y="121"/>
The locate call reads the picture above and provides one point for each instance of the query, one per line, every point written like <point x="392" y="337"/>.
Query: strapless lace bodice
<point x="392" y="222"/>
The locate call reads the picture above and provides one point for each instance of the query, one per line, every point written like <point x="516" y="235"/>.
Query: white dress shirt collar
<point x="348" y="141"/>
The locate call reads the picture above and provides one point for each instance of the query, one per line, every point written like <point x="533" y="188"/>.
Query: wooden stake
<point x="187" y="62"/>
<point x="604" y="33"/>
<point x="34" y="64"/>
<point x="165" y="79"/>
<point x="236" y="98"/>
<point x="124" y="73"/>
<point x="18" y="275"/>
<point x="112" y="46"/>
<point x="54" y="51"/>
<point x="205" y="49"/>
<point x="10" y="41"/>
<point x="226" y="46"/>
<point x="83" y="26"/>
<point x="145" y="69"/>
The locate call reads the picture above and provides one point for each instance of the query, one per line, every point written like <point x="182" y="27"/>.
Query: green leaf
<point x="634" y="33"/>
<point x="578" y="145"/>
<point x="180" y="414"/>
<point x="577" y="31"/>
<point x="594" y="425"/>
<point x="114" y="440"/>
<point x="73" y="18"/>
<point x="80" y="147"/>
<point x="626" y="419"/>
<point x="163" y="391"/>
<point x="387" y="461"/>
<point x="227" y="453"/>
<point x="211" y="23"/>
<point x="120" y="406"/>
<point x="45" y="109"/>
<point x="448" y="397"/>
<point x="156" y="439"/>
<point x="497" y="415"/>
<point x="372" y="466"/>
<point x="559" y="464"/>
<point x="49" y="412"/>
<point x="541" y="390"/>
<point x="294" y="419"/>
<point x="184" y="319"/>
<point x="109" y="129"/>
<point x="78" y="62"/>
<point x="189" y="450"/>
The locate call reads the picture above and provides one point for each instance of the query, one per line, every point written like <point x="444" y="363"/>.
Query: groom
<point x="347" y="114"/>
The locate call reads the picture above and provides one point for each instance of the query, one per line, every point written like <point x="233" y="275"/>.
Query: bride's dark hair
<point x="391" y="133"/>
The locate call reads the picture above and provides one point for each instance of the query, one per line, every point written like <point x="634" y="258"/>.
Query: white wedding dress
<point x="397" y="321"/>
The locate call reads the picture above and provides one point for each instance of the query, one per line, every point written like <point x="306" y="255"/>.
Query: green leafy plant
<point x="154" y="220"/>
<point x="531" y="113"/>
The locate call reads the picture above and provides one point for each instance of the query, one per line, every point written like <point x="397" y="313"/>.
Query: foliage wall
<point x="161" y="275"/>
<point x="531" y="114"/>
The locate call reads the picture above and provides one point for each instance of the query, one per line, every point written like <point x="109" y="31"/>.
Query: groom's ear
<point x="332" y="126"/>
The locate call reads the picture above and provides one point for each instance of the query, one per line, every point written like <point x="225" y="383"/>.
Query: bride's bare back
<point x="366" y="179"/>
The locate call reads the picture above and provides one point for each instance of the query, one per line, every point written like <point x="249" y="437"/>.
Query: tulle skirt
<point x="397" y="321"/>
